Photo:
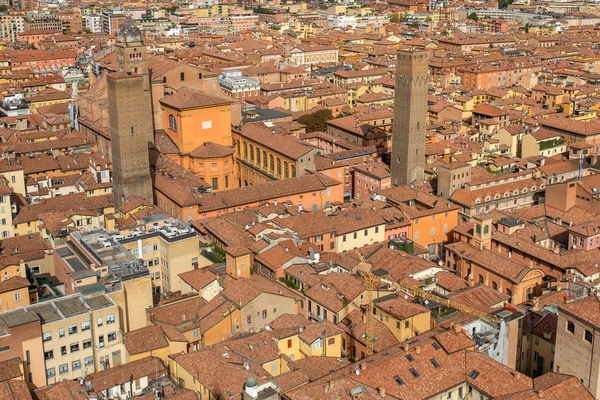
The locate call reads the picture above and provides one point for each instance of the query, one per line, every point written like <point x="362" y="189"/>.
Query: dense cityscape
<point x="288" y="200"/>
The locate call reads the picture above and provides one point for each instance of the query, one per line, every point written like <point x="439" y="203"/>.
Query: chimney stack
<point x="418" y="350"/>
<point x="381" y="391"/>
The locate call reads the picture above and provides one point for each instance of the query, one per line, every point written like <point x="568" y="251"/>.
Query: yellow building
<point x="167" y="248"/>
<point x="298" y="338"/>
<point x="7" y="209"/>
<point x="152" y="341"/>
<point x="80" y="335"/>
<point x="48" y="97"/>
<point x="14" y="292"/>
<point x="402" y="317"/>
<point x="356" y="229"/>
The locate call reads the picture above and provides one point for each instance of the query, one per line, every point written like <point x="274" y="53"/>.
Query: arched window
<point x="279" y="167"/>
<point x="478" y="228"/>
<point x="571" y="327"/>
<point x="245" y="150"/>
<point x="293" y="171"/>
<point x="251" y="153"/>
<point x="480" y="278"/>
<point x="258" y="156"/>
<point x="486" y="229"/>
<point x="286" y="170"/>
<point x="494" y="286"/>
<point x="172" y="123"/>
<point x="265" y="165"/>
<point x="271" y="163"/>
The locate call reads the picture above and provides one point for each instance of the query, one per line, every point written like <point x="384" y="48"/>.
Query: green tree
<point x="473" y="16"/>
<point x="395" y="19"/>
<point x="316" y="122"/>
<point x="3" y="7"/>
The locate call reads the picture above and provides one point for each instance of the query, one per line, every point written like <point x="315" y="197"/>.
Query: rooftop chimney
<point x="381" y="391"/>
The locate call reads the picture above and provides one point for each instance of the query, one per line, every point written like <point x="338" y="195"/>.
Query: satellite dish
<point x="405" y="297"/>
<point x="357" y="371"/>
<point x="426" y="302"/>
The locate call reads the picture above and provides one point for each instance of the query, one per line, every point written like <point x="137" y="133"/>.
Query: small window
<point x="571" y="327"/>
<point x="588" y="336"/>
<point x="172" y="123"/>
<point x="182" y="76"/>
<point x="414" y="372"/>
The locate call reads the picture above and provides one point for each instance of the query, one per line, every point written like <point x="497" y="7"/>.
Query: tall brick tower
<point x="128" y="114"/>
<point x="132" y="58"/>
<point x="410" y="117"/>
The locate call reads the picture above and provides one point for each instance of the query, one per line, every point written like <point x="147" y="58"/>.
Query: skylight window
<point x="474" y="374"/>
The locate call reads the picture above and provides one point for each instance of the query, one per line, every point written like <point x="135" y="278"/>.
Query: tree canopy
<point x="316" y="122"/>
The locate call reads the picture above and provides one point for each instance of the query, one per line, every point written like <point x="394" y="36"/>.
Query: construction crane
<point x="370" y="281"/>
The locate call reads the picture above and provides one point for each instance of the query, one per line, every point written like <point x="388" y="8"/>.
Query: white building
<point x="93" y="23"/>
<point x="341" y="21"/>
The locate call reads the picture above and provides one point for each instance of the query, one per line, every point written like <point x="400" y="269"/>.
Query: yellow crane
<point x="370" y="280"/>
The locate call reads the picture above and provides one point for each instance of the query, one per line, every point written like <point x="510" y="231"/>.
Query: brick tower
<point x="410" y="117"/>
<point x="129" y="113"/>
<point x="132" y="58"/>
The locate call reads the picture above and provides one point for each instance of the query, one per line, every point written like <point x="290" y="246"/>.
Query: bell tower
<point x="482" y="231"/>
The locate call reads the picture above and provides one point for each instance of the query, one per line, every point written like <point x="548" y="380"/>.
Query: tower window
<point x="172" y="123"/>
<point x="132" y="131"/>
<point x="182" y="76"/>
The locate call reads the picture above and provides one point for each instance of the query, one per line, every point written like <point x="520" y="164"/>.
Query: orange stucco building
<point x="197" y="135"/>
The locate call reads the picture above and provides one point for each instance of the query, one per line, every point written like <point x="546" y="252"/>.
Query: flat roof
<point x="98" y="302"/>
<point x="71" y="307"/>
